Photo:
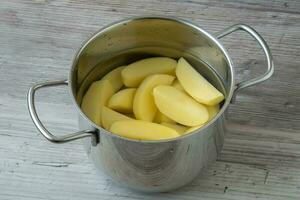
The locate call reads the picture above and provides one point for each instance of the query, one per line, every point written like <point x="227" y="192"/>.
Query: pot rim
<point x="178" y="20"/>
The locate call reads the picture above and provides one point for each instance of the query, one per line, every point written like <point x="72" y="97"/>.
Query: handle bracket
<point x="270" y="65"/>
<point x="41" y="128"/>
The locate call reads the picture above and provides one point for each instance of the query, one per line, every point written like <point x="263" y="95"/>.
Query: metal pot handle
<point x="39" y="125"/>
<point x="264" y="46"/>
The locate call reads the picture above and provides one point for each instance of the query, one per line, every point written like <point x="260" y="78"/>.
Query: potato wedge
<point x="95" y="98"/>
<point x="179" y="106"/>
<point x="178" y="86"/>
<point x="142" y="130"/>
<point x="135" y="73"/>
<point x="115" y="78"/>
<point x="196" y="85"/>
<point x="143" y="103"/>
<point x="122" y="101"/>
<point x="212" y="111"/>
<point x="109" y="116"/>
<point x="180" y="129"/>
<point x="160" y="118"/>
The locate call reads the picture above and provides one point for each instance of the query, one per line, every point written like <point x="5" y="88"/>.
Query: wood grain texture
<point x="39" y="38"/>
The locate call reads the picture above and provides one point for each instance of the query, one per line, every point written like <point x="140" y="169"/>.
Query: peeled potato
<point x="95" y="98"/>
<point x="177" y="127"/>
<point x="142" y="130"/>
<point x="160" y="118"/>
<point x="213" y="111"/>
<point x="192" y="129"/>
<point x="135" y="73"/>
<point x="110" y="116"/>
<point x="122" y="101"/>
<point x="178" y="86"/>
<point x="115" y="78"/>
<point x="179" y="106"/>
<point x="196" y="85"/>
<point x="143" y="103"/>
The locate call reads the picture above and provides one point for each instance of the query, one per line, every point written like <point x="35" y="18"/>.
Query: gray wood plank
<point x="39" y="38"/>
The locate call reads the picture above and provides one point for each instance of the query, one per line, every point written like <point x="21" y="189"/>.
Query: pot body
<point x="161" y="165"/>
<point x="156" y="167"/>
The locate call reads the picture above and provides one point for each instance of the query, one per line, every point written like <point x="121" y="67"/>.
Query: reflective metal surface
<point x="152" y="166"/>
<point x="39" y="125"/>
<point x="159" y="166"/>
<point x="264" y="46"/>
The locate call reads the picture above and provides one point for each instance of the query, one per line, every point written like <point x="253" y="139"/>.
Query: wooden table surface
<point x="38" y="39"/>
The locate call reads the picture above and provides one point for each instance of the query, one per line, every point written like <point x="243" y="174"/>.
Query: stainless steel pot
<point x="152" y="166"/>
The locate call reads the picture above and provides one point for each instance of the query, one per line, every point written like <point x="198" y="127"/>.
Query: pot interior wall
<point x="131" y="40"/>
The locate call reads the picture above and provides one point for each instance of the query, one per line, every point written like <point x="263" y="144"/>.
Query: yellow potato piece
<point x="196" y="85"/>
<point x="143" y="103"/>
<point x="179" y="106"/>
<point x="177" y="127"/>
<point x="178" y="86"/>
<point x="142" y="130"/>
<point x="115" y="78"/>
<point x="212" y="111"/>
<point x="160" y="118"/>
<point x="122" y="101"/>
<point x="95" y="98"/>
<point x="192" y="129"/>
<point x="135" y="73"/>
<point x="109" y="116"/>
